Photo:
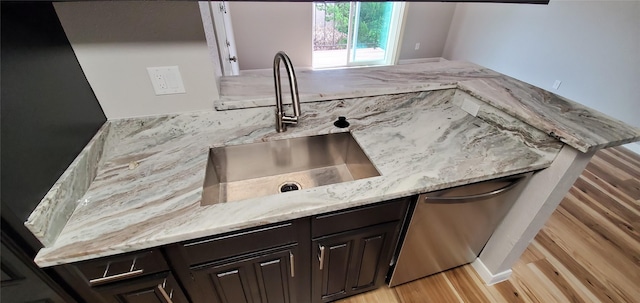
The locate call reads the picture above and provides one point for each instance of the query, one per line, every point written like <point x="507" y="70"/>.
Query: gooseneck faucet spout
<point x="281" y="118"/>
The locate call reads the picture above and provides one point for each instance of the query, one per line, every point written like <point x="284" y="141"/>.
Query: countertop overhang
<point x="576" y="125"/>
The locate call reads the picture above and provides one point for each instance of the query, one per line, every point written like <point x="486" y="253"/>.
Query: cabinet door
<point x="158" y="288"/>
<point x="352" y="262"/>
<point x="21" y="280"/>
<point x="264" y="277"/>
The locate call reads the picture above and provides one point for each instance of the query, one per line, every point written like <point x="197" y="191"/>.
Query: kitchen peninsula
<point x="138" y="184"/>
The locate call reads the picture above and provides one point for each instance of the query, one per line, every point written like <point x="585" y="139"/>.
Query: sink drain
<point x="289" y="186"/>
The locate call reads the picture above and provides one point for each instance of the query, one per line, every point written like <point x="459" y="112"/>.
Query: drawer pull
<point x="130" y="274"/>
<point x="292" y="263"/>
<point x="233" y="272"/>
<point x="321" y="257"/>
<point x="167" y="297"/>
<point x="106" y="279"/>
<point x="162" y="288"/>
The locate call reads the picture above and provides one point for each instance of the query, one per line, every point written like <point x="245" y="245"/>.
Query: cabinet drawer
<point x="161" y="288"/>
<point x="354" y="218"/>
<point x="240" y="242"/>
<point x="118" y="268"/>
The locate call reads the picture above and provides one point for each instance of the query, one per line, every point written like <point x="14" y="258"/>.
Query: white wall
<point x="256" y="24"/>
<point x="116" y="41"/>
<point x="426" y="23"/>
<point x="262" y="29"/>
<point x="593" y="47"/>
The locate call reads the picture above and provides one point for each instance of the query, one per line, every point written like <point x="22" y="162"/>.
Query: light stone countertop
<point x="255" y="88"/>
<point x="576" y="125"/>
<point x="419" y="141"/>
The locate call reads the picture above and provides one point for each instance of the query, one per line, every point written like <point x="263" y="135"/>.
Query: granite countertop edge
<point x="158" y="201"/>
<point x="132" y="141"/>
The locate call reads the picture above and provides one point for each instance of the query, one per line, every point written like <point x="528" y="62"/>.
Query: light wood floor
<point x="588" y="251"/>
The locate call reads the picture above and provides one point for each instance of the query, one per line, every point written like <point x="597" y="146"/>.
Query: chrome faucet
<point x="281" y="118"/>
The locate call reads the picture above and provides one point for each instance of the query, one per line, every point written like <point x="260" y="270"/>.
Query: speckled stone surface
<point x="580" y="127"/>
<point x="148" y="185"/>
<point x="50" y="216"/>
<point x="256" y="88"/>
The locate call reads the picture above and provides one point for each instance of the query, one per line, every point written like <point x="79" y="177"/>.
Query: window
<point x="356" y="33"/>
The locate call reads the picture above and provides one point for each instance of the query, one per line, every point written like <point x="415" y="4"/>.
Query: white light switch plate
<point x="470" y="107"/>
<point x="166" y="80"/>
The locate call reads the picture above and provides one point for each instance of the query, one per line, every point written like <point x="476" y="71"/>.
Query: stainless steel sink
<point x="240" y="172"/>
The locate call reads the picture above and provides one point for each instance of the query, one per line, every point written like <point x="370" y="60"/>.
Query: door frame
<point x="219" y="34"/>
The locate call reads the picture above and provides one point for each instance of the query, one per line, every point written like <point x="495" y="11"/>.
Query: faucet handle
<point x="289" y="119"/>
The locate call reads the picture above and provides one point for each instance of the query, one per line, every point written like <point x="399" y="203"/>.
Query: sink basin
<point x="245" y="171"/>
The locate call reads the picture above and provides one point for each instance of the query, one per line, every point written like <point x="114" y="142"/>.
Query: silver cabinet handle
<point x="126" y="275"/>
<point x="163" y="292"/>
<point x="292" y="263"/>
<point x="321" y="257"/>
<point x="164" y="286"/>
<point x="105" y="279"/>
<point x="233" y="272"/>
<point x="462" y="199"/>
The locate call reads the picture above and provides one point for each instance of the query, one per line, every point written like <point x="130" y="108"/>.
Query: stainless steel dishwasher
<point x="450" y="227"/>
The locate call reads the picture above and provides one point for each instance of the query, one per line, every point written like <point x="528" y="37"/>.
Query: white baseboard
<point x="634" y="147"/>
<point x="487" y="276"/>
<point x="421" y="60"/>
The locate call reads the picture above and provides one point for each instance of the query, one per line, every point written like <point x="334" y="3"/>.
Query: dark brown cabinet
<point x="267" y="277"/>
<point x="352" y="262"/>
<point x="352" y="249"/>
<point x="268" y="264"/>
<point x="313" y="259"/>
<point x="21" y="280"/>
<point x="139" y="277"/>
<point x="157" y="288"/>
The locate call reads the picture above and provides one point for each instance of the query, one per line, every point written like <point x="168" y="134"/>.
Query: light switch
<point x="556" y="84"/>
<point x="418" y="46"/>
<point x="166" y="80"/>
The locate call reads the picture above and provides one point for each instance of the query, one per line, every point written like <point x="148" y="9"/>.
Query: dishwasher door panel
<point x="449" y="228"/>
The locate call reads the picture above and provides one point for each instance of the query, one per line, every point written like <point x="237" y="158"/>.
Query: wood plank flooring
<point x="588" y="251"/>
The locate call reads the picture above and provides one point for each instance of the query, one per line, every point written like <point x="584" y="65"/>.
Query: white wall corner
<point x="634" y="147"/>
<point x="487" y="276"/>
<point x="426" y="23"/>
<point x="509" y="39"/>
<point x="255" y="25"/>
